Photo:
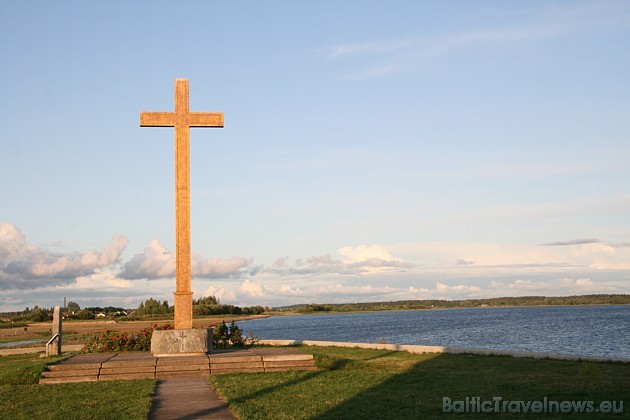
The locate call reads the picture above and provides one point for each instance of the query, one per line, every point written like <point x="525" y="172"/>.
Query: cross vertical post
<point x="182" y="119"/>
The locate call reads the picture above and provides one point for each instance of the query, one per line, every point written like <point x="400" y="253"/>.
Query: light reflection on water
<point x="581" y="330"/>
<point x="20" y="343"/>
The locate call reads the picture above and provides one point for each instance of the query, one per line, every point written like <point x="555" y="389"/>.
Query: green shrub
<point x="114" y="341"/>
<point x="223" y="336"/>
<point x="85" y="314"/>
<point x="232" y="336"/>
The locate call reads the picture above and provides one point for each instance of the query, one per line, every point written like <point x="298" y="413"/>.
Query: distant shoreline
<point x="288" y="313"/>
<point x="434" y="304"/>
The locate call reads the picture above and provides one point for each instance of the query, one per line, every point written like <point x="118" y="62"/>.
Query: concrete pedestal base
<point x="181" y="342"/>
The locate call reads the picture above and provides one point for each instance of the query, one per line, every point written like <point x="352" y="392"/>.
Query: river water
<point x="579" y="330"/>
<point x="20" y="343"/>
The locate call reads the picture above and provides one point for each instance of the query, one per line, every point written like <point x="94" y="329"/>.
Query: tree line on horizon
<point x="599" y="299"/>
<point x="208" y="305"/>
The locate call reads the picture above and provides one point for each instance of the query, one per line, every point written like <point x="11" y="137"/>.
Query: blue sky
<point x="371" y="150"/>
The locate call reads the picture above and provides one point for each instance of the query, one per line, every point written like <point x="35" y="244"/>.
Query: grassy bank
<point x="22" y="398"/>
<point x="354" y="383"/>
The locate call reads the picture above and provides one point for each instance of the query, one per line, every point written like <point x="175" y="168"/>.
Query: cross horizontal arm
<point x="205" y="119"/>
<point x="157" y="119"/>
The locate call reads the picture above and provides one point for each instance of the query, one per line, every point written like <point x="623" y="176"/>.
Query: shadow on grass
<point x="354" y="383"/>
<point x="338" y="364"/>
<point x="418" y="392"/>
<point x="335" y="365"/>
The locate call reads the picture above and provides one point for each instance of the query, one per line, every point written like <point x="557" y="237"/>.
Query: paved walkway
<point x="188" y="398"/>
<point x="24" y="350"/>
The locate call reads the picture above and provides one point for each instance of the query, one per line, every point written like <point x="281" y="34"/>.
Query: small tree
<point x="39" y="315"/>
<point x="73" y="307"/>
<point x="224" y="336"/>
<point x="85" y="314"/>
<point x="207" y="300"/>
<point x="153" y="307"/>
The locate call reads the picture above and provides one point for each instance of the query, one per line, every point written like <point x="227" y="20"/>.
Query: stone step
<point x="129" y="363"/>
<point x="234" y="359"/>
<point x="287" y="364"/>
<point x="68" y="379"/>
<point x="82" y="366"/>
<point x="284" y="369"/>
<point x="237" y="370"/>
<point x="176" y="368"/>
<point x="123" y="370"/>
<point x="182" y="360"/>
<point x="69" y="373"/>
<point x="288" y="358"/>
<point x="126" y="376"/>
<point x="180" y="374"/>
<point x="238" y="365"/>
<point x="104" y="367"/>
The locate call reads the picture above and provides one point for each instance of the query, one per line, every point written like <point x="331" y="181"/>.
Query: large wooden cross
<point x="182" y="119"/>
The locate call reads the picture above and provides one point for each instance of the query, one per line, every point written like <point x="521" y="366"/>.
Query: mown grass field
<point x="355" y="383"/>
<point x="350" y="384"/>
<point x="22" y="398"/>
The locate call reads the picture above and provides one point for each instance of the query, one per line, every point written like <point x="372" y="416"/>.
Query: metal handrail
<point x="52" y="339"/>
<point x="56" y="336"/>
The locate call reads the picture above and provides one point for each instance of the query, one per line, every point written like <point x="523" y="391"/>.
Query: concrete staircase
<point x="121" y="366"/>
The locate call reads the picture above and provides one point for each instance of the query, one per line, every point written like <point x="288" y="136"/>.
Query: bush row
<point x="223" y="336"/>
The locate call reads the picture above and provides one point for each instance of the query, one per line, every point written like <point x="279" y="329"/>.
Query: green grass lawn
<point x="22" y="398"/>
<point x="350" y="383"/>
<point x="355" y="383"/>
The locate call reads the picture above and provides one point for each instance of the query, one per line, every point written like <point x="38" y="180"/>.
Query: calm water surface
<point x="20" y="343"/>
<point x="581" y="330"/>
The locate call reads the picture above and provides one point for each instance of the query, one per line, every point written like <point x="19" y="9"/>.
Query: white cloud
<point x="224" y="295"/>
<point x="272" y="293"/>
<point x="252" y="289"/>
<point x="447" y="270"/>
<point x="13" y="245"/>
<point x="287" y="289"/>
<point x="153" y="263"/>
<point x="488" y="255"/>
<point x="378" y="47"/>
<point x="371" y="259"/>
<point x="352" y="291"/>
<point x="325" y="260"/>
<point x="387" y="57"/>
<point x="556" y="287"/>
<point x="443" y="44"/>
<point x="365" y="253"/>
<point x="217" y="267"/>
<point x="573" y="242"/>
<point x="442" y="288"/>
<point x="157" y="262"/>
<point x="101" y="280"/>
<point x="359" y="261"/>
<point x="23" y="265"/>
<point x="280" y="262"/>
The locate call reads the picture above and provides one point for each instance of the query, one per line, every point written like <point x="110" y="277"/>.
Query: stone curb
<point x="25" y="350"/>
<point x="416" y="349"/>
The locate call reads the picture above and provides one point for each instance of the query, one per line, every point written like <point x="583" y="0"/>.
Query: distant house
<point x="120" y="313"/>
<point x="101" y="315"/>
